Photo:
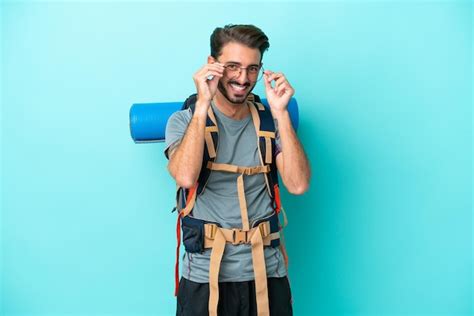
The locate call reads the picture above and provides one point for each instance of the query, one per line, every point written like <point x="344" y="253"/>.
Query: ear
<point x="210" y="59"/>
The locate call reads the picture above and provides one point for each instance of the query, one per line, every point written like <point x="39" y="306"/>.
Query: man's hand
<point x="279" y="95"/>
<point x="292" y="163"/>
<point x="206" y="89"/>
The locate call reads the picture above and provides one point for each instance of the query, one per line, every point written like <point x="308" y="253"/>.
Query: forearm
<point x="185" y="163"/>
<point x="296" y="171"/>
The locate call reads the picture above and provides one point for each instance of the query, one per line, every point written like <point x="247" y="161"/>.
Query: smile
<point x="237" y="87"/>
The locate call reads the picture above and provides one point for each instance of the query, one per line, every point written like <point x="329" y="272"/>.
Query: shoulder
<point x="182" y="116"/>
<point x="176" y="127"/>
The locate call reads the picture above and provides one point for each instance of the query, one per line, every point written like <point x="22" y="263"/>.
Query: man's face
<point x="231" y="87"/>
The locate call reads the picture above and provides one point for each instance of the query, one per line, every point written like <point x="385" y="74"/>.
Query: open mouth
<point x="237" y="88"/>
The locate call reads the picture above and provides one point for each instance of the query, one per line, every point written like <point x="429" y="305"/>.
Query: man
<point x="224" y="85"/>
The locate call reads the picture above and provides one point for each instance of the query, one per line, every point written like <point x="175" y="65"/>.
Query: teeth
<point x="237" y="87"/>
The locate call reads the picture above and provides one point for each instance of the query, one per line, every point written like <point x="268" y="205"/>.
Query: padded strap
<point x="211" y="115"/>
<point x="211" y="149"/>
<point x="256" y="123"/>
<point x="260" y="106"/>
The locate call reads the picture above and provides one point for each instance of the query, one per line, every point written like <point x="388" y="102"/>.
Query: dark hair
<point x="246" y="34"/>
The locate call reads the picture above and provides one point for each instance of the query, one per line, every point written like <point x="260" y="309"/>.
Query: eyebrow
<point x="236" y="62"/>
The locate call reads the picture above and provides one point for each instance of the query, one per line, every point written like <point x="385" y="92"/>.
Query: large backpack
<point x="200" y="234"/>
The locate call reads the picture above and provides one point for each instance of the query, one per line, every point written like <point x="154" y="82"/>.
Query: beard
<point x="234" y="97"/>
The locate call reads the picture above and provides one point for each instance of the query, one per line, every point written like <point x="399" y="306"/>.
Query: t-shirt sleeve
<point x="175" y="129"/>
<point x="277" y="139"/>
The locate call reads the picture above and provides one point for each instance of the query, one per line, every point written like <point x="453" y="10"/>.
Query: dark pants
<point x="235" y="298"/>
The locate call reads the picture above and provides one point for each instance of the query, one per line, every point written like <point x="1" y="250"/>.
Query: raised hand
<point x="280" y="94"/>
<point x="207" y="88"/>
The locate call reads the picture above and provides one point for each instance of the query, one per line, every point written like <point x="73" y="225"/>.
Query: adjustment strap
<point x="176" y="266"/>
<point x="260" y="272"/>
<point x="190" y="201"/>
<point x="242" y="203"/>
<point x="268" y="150"/>
<point x="215" y="265"/>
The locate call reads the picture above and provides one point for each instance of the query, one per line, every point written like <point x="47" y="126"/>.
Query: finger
<point x="274" y="76"/>
<point x="282" y="89"/>
<point x="216" y="65"/>
<point x="213" y="73"/>
<point x="208" y="67"/>
<point x="203" y="77"/>
<point x="266" y="82"/>
<point x="214" y="68"/>
<point x="281" y="80"/>
<point x="267" y="72"/>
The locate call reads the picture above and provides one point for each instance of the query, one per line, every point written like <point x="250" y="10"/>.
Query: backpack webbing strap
<point x="255" y="237"/>
<point x="237" y="236"/>
<point x="237" y="169"/>
<point x="211" y="148"/>
<point x="191" y="199"/>
<point x="240" y="184"/>
<point x="256" y="123"/>
<point x="215" y="264"/>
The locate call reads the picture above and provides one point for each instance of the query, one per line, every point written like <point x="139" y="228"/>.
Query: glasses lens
<point x="259" y="74"/>
<point x="234" y="71"/>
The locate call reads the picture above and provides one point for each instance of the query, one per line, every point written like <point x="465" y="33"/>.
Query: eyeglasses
<point x="254" y="72"/>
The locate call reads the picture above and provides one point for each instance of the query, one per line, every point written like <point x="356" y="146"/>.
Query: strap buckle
<point x="250" y="170"/>
<point x="254" y="170"/>
<point x="264" y="229"/>
<point x="210" y="230"/>
<point x="239" y="236"/>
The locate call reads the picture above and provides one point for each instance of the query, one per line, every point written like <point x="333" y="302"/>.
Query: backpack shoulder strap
<point x="211" y="137"/>
<point x="265" y="130"/>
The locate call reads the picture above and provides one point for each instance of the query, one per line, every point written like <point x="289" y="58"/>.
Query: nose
<point x="242" y="76"/>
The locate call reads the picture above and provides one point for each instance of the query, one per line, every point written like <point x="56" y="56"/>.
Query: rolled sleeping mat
<point x="148" y="120"/>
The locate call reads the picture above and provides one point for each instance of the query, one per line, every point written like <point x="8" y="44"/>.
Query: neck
<point x="236" y="111"/>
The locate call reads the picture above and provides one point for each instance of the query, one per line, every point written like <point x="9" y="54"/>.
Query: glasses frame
<point x="259" y="74"/>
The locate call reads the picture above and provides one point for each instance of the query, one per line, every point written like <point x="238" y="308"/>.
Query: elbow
<point x="185" y="181"/>
<point x="299" y="189"/>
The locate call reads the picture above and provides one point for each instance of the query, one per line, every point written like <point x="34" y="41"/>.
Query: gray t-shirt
<point x="219" y="201"/>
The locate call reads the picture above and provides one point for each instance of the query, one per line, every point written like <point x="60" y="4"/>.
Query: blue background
<point x="385" y="94"/>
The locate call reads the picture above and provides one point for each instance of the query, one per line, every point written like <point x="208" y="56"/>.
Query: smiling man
<point x="225" y="152"/>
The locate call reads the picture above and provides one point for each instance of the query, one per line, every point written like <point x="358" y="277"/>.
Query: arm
<point x="186" y="160"/>
<point x="292" y="162"/>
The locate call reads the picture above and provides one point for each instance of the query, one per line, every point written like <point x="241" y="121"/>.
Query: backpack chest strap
<point x="238" y="169"/>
